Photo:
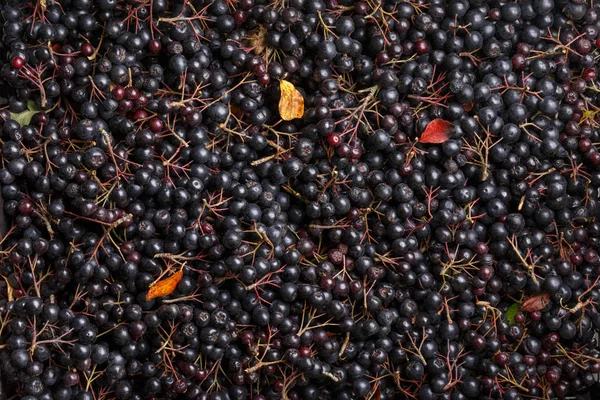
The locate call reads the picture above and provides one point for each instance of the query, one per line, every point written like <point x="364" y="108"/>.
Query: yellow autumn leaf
<point x="291" y="102"/>
<point x="165" y="286"/>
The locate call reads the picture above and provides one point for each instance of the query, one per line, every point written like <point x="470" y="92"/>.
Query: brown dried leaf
<point x="469" y="106"/>
<point x="236" y="111"/>
<point x="535" y="303"/>
<point x="165" y="286"/>
<point x="291" y="102"/>
<point x="437" y="131"/>
<point x="257" y="39"/>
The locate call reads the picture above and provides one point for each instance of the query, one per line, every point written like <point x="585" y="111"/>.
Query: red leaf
<point x="376" y="393"/>
<point x="438" y="131"/>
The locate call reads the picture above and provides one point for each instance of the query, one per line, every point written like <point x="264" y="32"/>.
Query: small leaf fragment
<point x="511" y="312"/>
<point x="437" y="131"/>
<point x="165" y="286"/>
<point x="535" y="303"/>
<point x="291" y="102"/>
<point x="588" y="115"/>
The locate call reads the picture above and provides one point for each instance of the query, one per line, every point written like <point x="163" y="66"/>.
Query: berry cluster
<point x="426" y="230"/>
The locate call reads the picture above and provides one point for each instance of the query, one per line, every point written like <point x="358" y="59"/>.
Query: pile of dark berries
<point x="427" y="230"/>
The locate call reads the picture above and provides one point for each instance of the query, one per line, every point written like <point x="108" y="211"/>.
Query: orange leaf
<point x="291" y="102"/>
<point x="165" y="286"/>
<point x="437" y="131"/>
<point x="535" y="303"/>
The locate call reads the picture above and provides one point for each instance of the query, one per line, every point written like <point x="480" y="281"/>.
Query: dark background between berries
<point x="329" y="257"/>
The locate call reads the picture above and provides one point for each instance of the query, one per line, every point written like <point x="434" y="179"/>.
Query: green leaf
<point x="24" y="118"/>
<point x="31" y="106"/>
<point x="511" y="312"/>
